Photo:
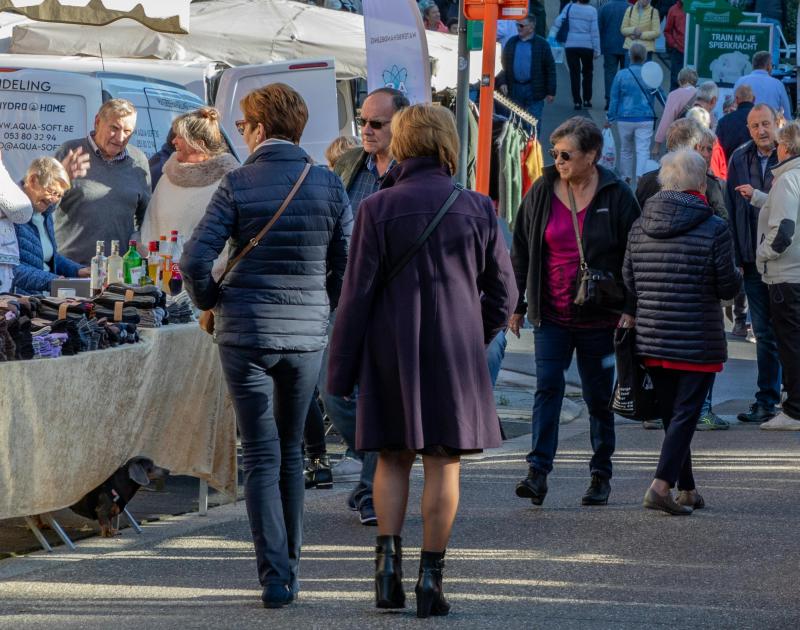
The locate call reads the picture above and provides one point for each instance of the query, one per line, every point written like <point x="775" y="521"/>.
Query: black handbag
<point x="594" y="286"/>
<point x="634" y="394"/>
<point x="563" y="30"/>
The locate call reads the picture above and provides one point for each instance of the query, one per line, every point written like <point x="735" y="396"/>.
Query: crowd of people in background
<point x="333" y="313"/>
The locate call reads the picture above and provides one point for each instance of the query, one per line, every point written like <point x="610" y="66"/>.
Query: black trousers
<point x="784" y="301"/>
<point x="680" y="398"/>
<point x="580" y="62"/>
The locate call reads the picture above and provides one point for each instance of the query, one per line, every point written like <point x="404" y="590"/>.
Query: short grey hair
<point x="684" y="133"/>
<point x="116" y="108"/>
<point x="684" y="169"/>
<point x="47" y="170"/>
<point x="709" y="136"/>
<point x="687" y="76"/>
<point x="700" y="116"/>
<point x="789" y="136"/>
<point x="638" y="53"/>
<point x="707" y="92"/>
<point x="762" y="59"/>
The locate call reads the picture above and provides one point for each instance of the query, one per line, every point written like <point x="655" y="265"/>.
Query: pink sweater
<point x="676" y="101"/>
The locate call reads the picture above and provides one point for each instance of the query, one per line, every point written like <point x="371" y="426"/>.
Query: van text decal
<point x="24" y="86"/>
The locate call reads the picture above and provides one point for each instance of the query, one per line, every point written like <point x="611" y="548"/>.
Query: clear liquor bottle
<point x="115" y="273"/>
<point x="99" y="269"/>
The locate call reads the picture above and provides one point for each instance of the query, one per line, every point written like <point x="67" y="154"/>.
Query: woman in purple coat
<point x="415" y="344"/>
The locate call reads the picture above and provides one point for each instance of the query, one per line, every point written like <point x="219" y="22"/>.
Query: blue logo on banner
<point x="396" y="78"/>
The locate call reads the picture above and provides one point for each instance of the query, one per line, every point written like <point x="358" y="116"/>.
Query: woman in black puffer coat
<point x="678" y="266"/>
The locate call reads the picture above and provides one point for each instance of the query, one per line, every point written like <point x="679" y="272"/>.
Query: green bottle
<point x="132" y="264"/>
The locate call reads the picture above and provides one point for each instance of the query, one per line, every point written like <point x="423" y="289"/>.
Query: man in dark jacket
<point x="528" y="76"/>
<point x="732" y="128"/>
<point x="362" y="170"/>
<point x="609" y="20"/>
<point x="749" y="168"/>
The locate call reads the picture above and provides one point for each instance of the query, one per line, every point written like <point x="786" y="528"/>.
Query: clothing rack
<point x="516" y="110"/>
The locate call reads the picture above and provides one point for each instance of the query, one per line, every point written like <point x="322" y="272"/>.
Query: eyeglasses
<point x="240" y="126"/>
<point x="377" y="125"/>
<point x="560" y="154"/>
<point x="522" y="24"/>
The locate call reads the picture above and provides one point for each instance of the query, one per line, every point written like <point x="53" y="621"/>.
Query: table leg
<point x="37" y="532"/>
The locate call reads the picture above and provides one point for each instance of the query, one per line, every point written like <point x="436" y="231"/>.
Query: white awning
<point x="240" y="32"/>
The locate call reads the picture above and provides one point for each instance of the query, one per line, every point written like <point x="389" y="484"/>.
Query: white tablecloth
<point x="67" y="424"/>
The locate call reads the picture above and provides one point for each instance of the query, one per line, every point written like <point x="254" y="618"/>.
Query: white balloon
<point x="652" y="75"/>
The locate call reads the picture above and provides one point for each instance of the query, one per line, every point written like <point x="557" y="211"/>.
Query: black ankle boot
<point x="389" y="573"/>
<point x="430" y="598"/>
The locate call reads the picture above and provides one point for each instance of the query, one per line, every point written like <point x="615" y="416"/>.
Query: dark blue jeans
<point x="554" y="346"/>
<point x="270" y="392"/>
<point x="769" y="365"/>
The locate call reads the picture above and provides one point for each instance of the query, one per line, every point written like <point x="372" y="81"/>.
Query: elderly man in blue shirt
<point x="766" y="88"/>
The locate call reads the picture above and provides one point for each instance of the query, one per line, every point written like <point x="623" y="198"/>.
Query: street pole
<point x="486" y="111"/>
<point x="462" y="97"/>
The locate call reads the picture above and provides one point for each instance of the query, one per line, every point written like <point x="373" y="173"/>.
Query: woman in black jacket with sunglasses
<point x="547" y="262"/>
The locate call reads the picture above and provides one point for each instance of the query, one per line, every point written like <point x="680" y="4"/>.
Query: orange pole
<point x="484" y="156"/>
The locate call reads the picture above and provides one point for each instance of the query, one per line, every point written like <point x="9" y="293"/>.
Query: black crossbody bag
<point x="429" y="229"/>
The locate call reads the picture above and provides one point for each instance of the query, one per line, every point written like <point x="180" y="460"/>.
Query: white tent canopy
<point x="239" y="32"/>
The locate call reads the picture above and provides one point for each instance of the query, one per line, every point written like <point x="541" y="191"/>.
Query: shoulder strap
<point x="574" y="212"/>
<point x="398" y="266"/>
<point x="253" y="242"/>
<point x="646" y="95"/>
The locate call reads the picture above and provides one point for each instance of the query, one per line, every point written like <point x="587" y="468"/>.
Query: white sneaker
<point x="347" y="469"/>
<point x="781" y="422"/>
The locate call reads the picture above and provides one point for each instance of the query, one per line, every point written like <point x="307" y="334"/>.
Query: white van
<point x="330" y="103"/>
<point x="42" y="109"/>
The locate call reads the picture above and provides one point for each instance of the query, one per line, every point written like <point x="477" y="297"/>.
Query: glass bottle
<point x="115" y="272"/>
<point x="99" y="269"/>
<point x="132" y="264"/>
<point x="154" y="263"/>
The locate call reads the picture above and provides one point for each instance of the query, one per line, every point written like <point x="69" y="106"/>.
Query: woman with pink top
<point x="678" y="103"/>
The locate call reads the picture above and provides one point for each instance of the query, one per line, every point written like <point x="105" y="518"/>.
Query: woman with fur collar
<point x="191" y="175"/>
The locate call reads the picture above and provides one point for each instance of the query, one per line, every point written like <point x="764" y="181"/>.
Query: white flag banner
<point x="166" y="16"/>
<point x="397" y="48"/>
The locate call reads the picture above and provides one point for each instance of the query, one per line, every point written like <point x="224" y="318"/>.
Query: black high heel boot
<point x="389" y="573"/>
<point x="430" y="598"/>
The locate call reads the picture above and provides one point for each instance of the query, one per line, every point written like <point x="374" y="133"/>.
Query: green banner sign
<point x="724" y="53"/>
<point x="475" y="34"/>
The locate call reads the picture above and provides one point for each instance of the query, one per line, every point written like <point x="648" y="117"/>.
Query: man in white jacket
<point x="778" y="261"/>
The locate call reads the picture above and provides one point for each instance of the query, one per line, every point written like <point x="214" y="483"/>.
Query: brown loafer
<point x="685" y="498"/>
<point x="654" y="501"/>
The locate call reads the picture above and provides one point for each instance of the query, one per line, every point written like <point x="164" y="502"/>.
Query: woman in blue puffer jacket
<point x="631" y="107"/>
<point x="271" y="313"/>
<point x="39" y="261"/>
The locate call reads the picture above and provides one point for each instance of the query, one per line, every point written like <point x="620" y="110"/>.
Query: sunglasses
<point x="560" y="154"/>
<point x="522" y="24"/>
<point x="375" y="124"/>
<point x="240" y="126"/>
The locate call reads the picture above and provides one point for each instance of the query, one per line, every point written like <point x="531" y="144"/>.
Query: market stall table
<point x="67" y="424"/>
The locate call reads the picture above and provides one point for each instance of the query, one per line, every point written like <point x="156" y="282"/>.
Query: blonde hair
<point x="116" y="108"/>
<point x="789" y="136"/>
<point x="425" y="131"/>
<point x="201" y="131"/>
<point x="47" y="170"/>
<point x="338" y="148"/>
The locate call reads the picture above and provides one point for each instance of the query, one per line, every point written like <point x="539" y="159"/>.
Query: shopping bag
<point x="557" y="50"/>
<point x="608" y="157"/>
<point x="634" y="394"/>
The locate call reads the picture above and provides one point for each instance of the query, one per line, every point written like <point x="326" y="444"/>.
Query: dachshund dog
<point x="110" y="498"/>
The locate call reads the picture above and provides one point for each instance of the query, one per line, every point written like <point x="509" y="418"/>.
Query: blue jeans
<point x="270" y="392"/>
<point x="769" y="365"/>
<point x="706" y="408"/>
<point x="554" y="346"/>
<point x="343" y="416"/>
<point x="495" y="353"/>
